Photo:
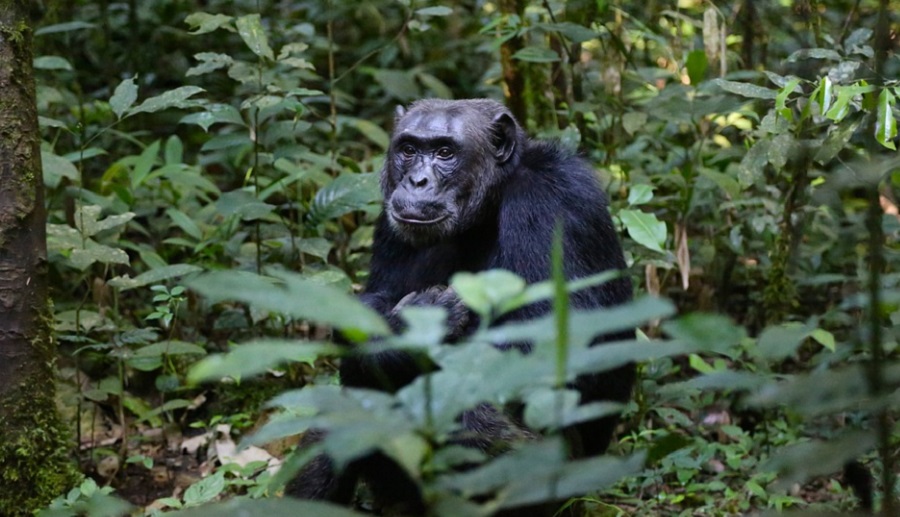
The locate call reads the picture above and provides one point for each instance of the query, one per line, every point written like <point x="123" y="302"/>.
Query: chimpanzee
<point x="466" y="190"/>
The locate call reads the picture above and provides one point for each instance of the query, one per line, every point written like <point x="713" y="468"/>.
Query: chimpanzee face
<point x="442" y="162"/>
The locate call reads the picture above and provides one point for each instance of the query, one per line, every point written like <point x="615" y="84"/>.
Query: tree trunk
<point x="34" y="462"/>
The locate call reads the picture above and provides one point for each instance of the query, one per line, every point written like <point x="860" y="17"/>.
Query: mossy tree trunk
<point x="35" y="465"/>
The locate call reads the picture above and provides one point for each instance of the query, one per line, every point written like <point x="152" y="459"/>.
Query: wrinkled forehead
<point x="436" y="122"/>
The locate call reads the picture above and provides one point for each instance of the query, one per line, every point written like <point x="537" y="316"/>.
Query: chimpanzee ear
<point x="504" y="136"/>
<point x="399" y="111"/>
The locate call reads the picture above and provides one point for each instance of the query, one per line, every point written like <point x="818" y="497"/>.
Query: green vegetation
<point x="211" y="173"/>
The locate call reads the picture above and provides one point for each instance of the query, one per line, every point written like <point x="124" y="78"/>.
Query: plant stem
<point x="876" y="362"/>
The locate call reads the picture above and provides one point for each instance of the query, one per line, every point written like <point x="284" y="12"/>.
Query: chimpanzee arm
<point x="399" y="275"/>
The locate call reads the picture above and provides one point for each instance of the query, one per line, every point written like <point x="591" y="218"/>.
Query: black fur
<point x="466" y="190"/>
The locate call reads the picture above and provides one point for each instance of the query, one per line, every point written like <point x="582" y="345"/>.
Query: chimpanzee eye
<point x="444" y="153"/>
<point x="408" y="150"/>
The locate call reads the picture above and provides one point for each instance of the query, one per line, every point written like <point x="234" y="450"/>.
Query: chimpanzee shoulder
<point x="555" y="185"/>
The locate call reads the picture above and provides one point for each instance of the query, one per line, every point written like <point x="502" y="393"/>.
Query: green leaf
<point x="315" y="246"/>
<point x="544" y="290"/>
<point x="838" y="137"/>
<point x="400" y="84"/>
<point x="64" y="27"/>
<point x="824" y="338"/>
<point x="697" y="65"/>
<point x="51" y="122"/>
<point x="776" y="343"/>
<point x="781" y="99"/>
<point x="124" y="97"/>
<point x="823" y="392"/>
<point x="177" y="98"/>
<point x="185" y="222"/>
<point x="814" y="53"/>
<point x="545" y="406"/>
<point x="425" y="327"/>
<point x="214" y="114"/>
<point x="251" y="31"/>
<point x="780" y="149"/>
<point x="800" y="462"/>
<point x="640" y="194"/>
<point x="172" y="347"/>
<point x="437" y="87"/>
<point x="209" y="61"/>
<point x="587" y="324"/>
<point x="173" y="154"/>
<point x="487" y="289"/>
<point x="144" y="163"/>
<point x="434" y="11"/>
<point x="257" y="357"/>
<point x="292" y="295"/>
<point x="154" y="276"/>
<point x="227" y="140"/>
<point x="52" y="63"/>
<point x="711" y="331"/>
<point x="82" y="258"/>
<point x="205" y="490"/>
<point x="572" y="31"/>
<point x="725" y="181"/>
<point x="536" y="54"/>
<point x="373" y="132"/>
<point x="746" y="90"/>
<point x="825" y="94"/>
<point x="718" y="380"/>
<point x="55" y="168"/>
<point x="538" y="472"/>
<point x="348" y="192"/>
<point x="885" y="123"/>
<point x="644" y="228"/>
<point x="634" y="121"/>
<point x="696" y="362"/>
<point x="664" y="446"/>
<point x="205" y="22"/>
<point x="86" y="220"/>
<point x="857" y="38"/>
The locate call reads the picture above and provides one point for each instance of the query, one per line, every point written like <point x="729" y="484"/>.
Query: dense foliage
<point x="211" y="169"/>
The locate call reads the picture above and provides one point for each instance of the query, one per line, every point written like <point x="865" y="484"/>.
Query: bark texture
<point x="34" y="461"/>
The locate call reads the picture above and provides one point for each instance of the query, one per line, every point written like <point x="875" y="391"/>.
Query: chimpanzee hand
<point x="458" y="315"/>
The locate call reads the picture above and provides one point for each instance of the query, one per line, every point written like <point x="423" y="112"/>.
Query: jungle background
<point x="211" y="177"/>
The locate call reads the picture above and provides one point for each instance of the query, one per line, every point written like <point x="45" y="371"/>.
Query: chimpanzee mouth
<point x="415" y="221"/>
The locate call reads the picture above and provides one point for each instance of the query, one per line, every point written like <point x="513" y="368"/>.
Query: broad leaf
<point x="746" y="89"/>
<point x="154" y="276"/>
<point x="52" y="63"/>
<point x="250" y="359"/>
<point x="536" y="54"/>
<point x="885" y="123"/>
<point x="177" y="98"/>
<point x="348" y="192"/>
<point x="644" y="228"/>
<point x="209" y="61"/>
<point x="205" y="22"/>
<point x="214" y="114"/>
<point x="55" y="168"/>
<point x="64" y="27"/>
<point x="124" y="97"/>
<point x="251" y="31"/>
<point x="291" y="295"/>
<point x="434" y="11"/>
<point x="800" y="462"/>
